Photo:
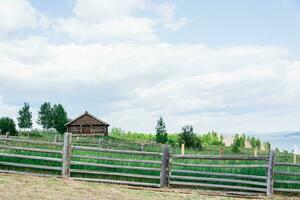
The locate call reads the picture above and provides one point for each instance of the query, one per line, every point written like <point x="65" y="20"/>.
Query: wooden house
<point x="87" y="124"/>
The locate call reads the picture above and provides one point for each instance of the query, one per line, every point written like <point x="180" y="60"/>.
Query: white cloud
<point x="110" y="30"/>
<point x="118" y="20"/>
<point x="167" y="11"/>
<point x="18" y="14"/>
<point x="96" y="10"/>
<point x="7" y="110"/>
<point x="207" y="87"/>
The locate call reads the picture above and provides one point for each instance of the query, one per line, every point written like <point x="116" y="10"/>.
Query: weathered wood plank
<point x="67" y="152"/>
<point x="114" y="174"/>
<point x="217" y="186"/>
<point x="219" y="166"/>
<point x="114" y="166"/>
<point x="287" y="181"/>
<point x="116" y="151"/>
<point x="31" y="141"/>
<point x="287" y="164"/>
<point x="117" y="159"/>
<point x="219" y="180"/>
<point x="224" y="157"/>
<point x="220" y="174"/>
<point x="270" y="177"/>
<point x="30" y="166"/>
<point x="165" y="167"/>
<point x="286" y="190"/>
<point x="30" y="149"/>
<point x="31" y="157"/>
<point x="28" y="173"/>
<point x="117" y="182"/>
<point x="287" y="173"/>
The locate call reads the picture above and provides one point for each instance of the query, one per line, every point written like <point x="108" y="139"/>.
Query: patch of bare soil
<point x="24" y="187"/>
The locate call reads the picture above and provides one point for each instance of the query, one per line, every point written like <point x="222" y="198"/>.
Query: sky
<point x="229" y="66"/>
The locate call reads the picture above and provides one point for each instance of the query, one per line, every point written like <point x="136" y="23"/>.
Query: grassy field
<point x="16" y="187"/>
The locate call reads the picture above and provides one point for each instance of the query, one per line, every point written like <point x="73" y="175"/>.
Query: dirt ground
<point x="24" y="187"/>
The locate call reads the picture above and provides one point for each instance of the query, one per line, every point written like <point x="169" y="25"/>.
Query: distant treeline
<point x="48" y="117"/>
<point x="188" y="137"/>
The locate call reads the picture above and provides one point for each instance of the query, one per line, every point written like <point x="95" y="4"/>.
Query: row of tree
<point x="187" y="136"/>
<point x="48" y="117"/>
<point x="239" y="142"/>
<point x="192" y="140"/>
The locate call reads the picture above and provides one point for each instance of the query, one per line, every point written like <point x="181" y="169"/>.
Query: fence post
<point x="165" y="167"/>
<point x="270" y="178"/>
<point x="295" y="158"/>
<point x="221" y="151"/>
<point x="7" y="135"/>
<point x="255" y="152"/>
<point x="100" y="143"/>
<point x="67" y="149"/>
<point x="55" y="138"/>
<point x="142" y="147"/>
<point x="182" y="149"/>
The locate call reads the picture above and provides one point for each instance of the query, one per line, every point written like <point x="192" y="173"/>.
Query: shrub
<point x="8" y="125"/>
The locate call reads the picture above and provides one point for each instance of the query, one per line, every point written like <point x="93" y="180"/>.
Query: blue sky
<point x="216" y="23"/>
<point x="230" y="66"/>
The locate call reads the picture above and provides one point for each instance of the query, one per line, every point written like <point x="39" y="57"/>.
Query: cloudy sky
<point x="227" y="66"/>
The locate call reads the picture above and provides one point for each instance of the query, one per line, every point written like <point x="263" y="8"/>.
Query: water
<point x="283" y="142"/>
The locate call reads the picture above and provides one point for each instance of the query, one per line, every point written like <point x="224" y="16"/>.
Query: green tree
<point x="59" y="118"/>
<point x="187" y="136"/>
<point x="25" y="117"/>
<point x="45" y="116"/>
<point x="237" y="143"/>
<point x="161" y="132"/>
<point x="8" y="125"/>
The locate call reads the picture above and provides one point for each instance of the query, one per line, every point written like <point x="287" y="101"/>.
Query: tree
<point x="187" y="136"/>
<point x="59" y="118"/>
<point x="237" y="143"/>
<point x="45" y="116"/>
<point x="161" y="132"/>
<point x="25" y="117"/>
<point x="8" y="125"/>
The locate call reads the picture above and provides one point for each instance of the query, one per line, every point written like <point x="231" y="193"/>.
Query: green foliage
<point x="161" y="132"/>
<point x="25" y="117"/>
<point x="117" y="132"/>
<point x="189" y="138"/>
<point x="255" y="142"/>
<point x="8" y="125"/>
<point x="212" y="138"/>
<point x="59" y="118"/>
<point x="45" y="116"/>
<point x="238" y="143"/>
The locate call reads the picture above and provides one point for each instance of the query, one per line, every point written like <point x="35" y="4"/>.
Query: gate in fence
<point x="229" y="174"/>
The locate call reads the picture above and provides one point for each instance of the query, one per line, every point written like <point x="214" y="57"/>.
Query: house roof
<point x="86" y="113"/>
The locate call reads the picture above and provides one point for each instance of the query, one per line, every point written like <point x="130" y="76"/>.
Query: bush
<point x="8" y="125"/>
<point x="189" y="138"/>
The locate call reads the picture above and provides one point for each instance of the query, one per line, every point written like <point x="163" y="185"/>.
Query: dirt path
<point x="23" y="187"/>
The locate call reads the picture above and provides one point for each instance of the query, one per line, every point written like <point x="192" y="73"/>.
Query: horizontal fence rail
<point x="24" y="156"/>
<point x="97" y="161"/>
<point x="287" y="178"/>
<point x="115" y="151"/>
<point x="32" y="141"/>
<point x="190" y="171"/>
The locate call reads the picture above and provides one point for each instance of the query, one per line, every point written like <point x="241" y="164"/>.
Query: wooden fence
<point x="151" y="169"/>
